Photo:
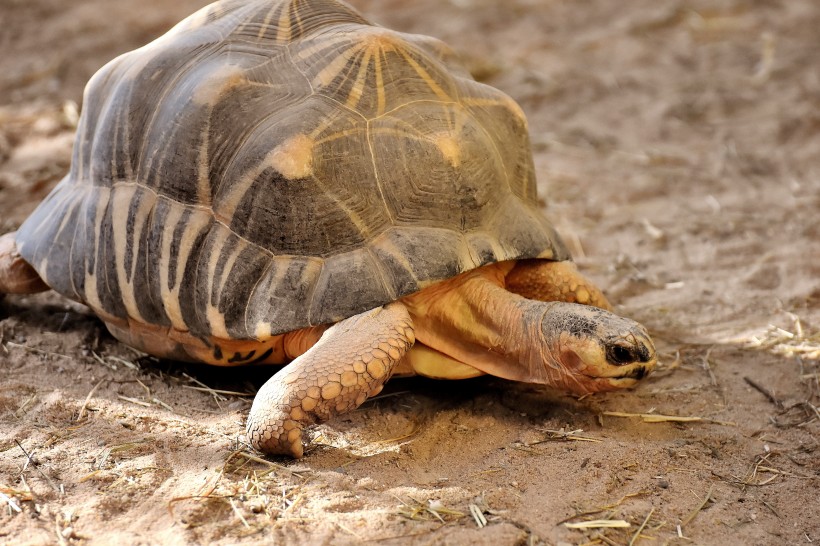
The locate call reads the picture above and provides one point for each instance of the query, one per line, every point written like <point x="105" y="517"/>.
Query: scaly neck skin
<point x="473" y="319"/>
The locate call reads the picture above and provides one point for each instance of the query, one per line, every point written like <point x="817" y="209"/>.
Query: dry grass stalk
<point x="19" y="412"/>
<point x="707" y="365"/>
<point x="124" y="362"/>
<point x="270" y="464"/>
<point x="24" y="496"/>
<point x="599" y="524"/>
<point x="159" y="402"/>
<point x="238" y="514"/>
<point x="208" y="493"/>
<point x="81" y="413"/>
<point x="102" y="361"/>
<point x="89" y="476"/>
<point x="562" y="435"/>
<point x="659" y="418"/>
<point x="219" y="391"/>
<point x="10" y="501"/>
<point x="478" y="516"/>
<point x="382" y="396"/>
<point x="783" y="342"/>
<point x="144" y="386"/>
<point x="419" y="511"/>
<point x="35" y="350"/>
<point x="603" y="508"/>
<point x="767" y="55"/>
<point x="637" y="534"/>
<point x="216" y="396"/>
<point x="413" y="431"/>
<point x="697" y="509"/>
<point x="134" y="401"/>
<point x="348" y="530"/>
<point x="761" y="466"/>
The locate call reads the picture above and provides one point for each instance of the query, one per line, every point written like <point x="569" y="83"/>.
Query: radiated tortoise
<point x="279" y="181"/>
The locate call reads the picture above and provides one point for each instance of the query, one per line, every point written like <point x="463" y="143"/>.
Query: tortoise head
<point x="591" y="350"/>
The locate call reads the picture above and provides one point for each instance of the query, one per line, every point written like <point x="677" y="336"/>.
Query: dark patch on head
<point x="217" y="352"/>
<point x="582" y="326"/>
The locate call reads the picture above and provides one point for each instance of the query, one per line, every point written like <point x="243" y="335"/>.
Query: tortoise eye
<point x="619" y="355"/>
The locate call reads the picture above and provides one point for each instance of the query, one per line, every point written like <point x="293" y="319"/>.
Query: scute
<point x="269" y="165"/>
<point x="373" y="70"/>
<point x="449" y="170"/>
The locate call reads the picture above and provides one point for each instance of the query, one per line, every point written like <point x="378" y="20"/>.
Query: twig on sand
<point x="765" y="392"/>
<point x="36" y="465"/>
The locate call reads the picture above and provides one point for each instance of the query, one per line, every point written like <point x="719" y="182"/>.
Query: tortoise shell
<point x="276" y="164"/>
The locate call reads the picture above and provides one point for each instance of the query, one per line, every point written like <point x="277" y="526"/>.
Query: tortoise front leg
<point x="544" y="280"/>
<point x="16" y="275"/>
<point x="352" y="361"/>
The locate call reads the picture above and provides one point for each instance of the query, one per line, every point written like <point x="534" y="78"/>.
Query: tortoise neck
<point x="475" y="320"/>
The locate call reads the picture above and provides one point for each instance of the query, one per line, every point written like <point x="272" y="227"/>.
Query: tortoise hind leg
<point x="16" y="275"/>
<point x="352" y="361"/>
<point x="545" y="280"/>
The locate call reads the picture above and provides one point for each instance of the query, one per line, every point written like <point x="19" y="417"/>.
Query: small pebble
<point x="663" y="484"/>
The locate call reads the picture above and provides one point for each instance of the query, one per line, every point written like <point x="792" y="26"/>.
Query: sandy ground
<point x="676" y="145"/>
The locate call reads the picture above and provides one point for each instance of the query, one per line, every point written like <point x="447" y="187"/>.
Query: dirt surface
<point x="676" y="145"/>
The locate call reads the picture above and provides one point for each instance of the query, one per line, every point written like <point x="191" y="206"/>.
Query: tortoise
<point x="281" y="181"/>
